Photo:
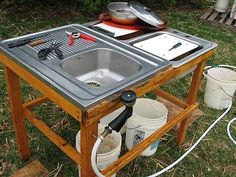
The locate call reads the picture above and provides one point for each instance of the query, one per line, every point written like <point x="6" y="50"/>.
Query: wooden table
<point x="89" y="119"/>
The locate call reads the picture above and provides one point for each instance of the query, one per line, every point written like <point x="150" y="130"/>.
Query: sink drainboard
<point x="60" y="36"/>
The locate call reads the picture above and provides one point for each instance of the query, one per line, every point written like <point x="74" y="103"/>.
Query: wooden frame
<point x="89" y="118"/>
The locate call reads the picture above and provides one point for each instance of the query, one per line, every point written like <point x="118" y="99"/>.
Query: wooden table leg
<point x="192" y="95"/>
<point x="17" y="113"/>
<point x="88" y="138"/>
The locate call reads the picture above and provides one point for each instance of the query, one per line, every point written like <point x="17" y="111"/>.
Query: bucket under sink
<point x="100" y="67"/>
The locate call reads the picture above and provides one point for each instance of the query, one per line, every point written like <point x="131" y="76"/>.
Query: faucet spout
<point x="128" y="98"/>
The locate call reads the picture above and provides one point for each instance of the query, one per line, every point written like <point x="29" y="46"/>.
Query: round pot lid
<point x="145" y="14"/>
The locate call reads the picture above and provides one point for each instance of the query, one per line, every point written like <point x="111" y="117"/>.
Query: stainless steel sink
<point x="100" y="67"/>
<point x="108" y="63"/>
<point x="90" y="71"/>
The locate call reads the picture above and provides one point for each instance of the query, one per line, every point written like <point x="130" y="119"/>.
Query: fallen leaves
<point x="61" y="124"/>
<point x="4" y="126"/>
<point x="4" y="166"/>
<point x="230" y="169"/>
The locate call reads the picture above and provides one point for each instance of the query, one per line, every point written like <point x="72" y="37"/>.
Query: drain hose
<point x="228" y="129"/>
<point x="193" y="146"/>
<point x="128" y="98"/>
<point x="94" y="155"/>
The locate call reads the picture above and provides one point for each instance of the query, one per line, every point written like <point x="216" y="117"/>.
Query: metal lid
<point x="146" y="14"/>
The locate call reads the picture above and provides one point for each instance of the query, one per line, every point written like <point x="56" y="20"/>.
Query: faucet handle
<point x="128" y="98"/>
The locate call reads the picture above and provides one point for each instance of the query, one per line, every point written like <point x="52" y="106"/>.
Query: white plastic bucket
<point x="221" y="5"/>
<point x="220" y="88"/>
<point x="110" y="117"/>
<point x="148" y="116"/>
<point x="109" y="150"/>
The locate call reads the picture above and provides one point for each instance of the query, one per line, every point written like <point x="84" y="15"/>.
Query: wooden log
<point x="56" y="139"/>
<point x="139" y="148"/>
<point x="17" y="113"/>
<point x="34" y="169"/>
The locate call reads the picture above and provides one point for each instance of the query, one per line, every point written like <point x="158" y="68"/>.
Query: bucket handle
<point x="215" y="66"/>
<point x="222" y="66"/>
<point x="225" y="92"/>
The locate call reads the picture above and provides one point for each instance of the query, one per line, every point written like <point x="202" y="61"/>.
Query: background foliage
<point x="97" y="5"/>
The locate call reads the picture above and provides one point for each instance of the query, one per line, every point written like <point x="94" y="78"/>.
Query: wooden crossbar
<point x="56" y="139"/>
<point x="35" y="102"/>
<point x="170" y="98"/>
<point x="138" y="149"/>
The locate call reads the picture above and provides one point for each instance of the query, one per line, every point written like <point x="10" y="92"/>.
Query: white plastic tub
<point x="148" y="116"/>
<point x="220" y="88"/>
<point x="221" y="5"/>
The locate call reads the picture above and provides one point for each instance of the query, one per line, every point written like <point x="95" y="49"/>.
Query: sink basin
<point x="100" y="67"/>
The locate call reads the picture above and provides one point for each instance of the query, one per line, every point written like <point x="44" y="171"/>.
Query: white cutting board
<point x="117" y="31"/>
<point x="160" y="46"/>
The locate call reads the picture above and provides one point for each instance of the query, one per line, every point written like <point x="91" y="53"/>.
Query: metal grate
<point x="60" y="36"/>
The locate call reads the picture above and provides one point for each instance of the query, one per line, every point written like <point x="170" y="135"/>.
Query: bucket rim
<point x="156" y="102"/>
<point x="210" y="75"/>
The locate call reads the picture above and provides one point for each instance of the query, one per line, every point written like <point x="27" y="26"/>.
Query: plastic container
<point x="221" y="5"/>
<point x="148" y="116"/>
<point x="220" y="88"/>
<point x="108" y="151"/>
<point x="110" y="117"/>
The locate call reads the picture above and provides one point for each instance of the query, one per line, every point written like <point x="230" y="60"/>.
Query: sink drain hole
<point x="93" y="84"/>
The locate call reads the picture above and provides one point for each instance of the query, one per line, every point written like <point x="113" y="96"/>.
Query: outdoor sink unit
<point x="89" y="71"/>
<point x="92" y="71"/>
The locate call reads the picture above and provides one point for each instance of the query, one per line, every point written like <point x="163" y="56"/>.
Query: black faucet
<point x="128" y="99"/>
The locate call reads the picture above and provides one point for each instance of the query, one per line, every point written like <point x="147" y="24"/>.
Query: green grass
<point x="215" y="156"/>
